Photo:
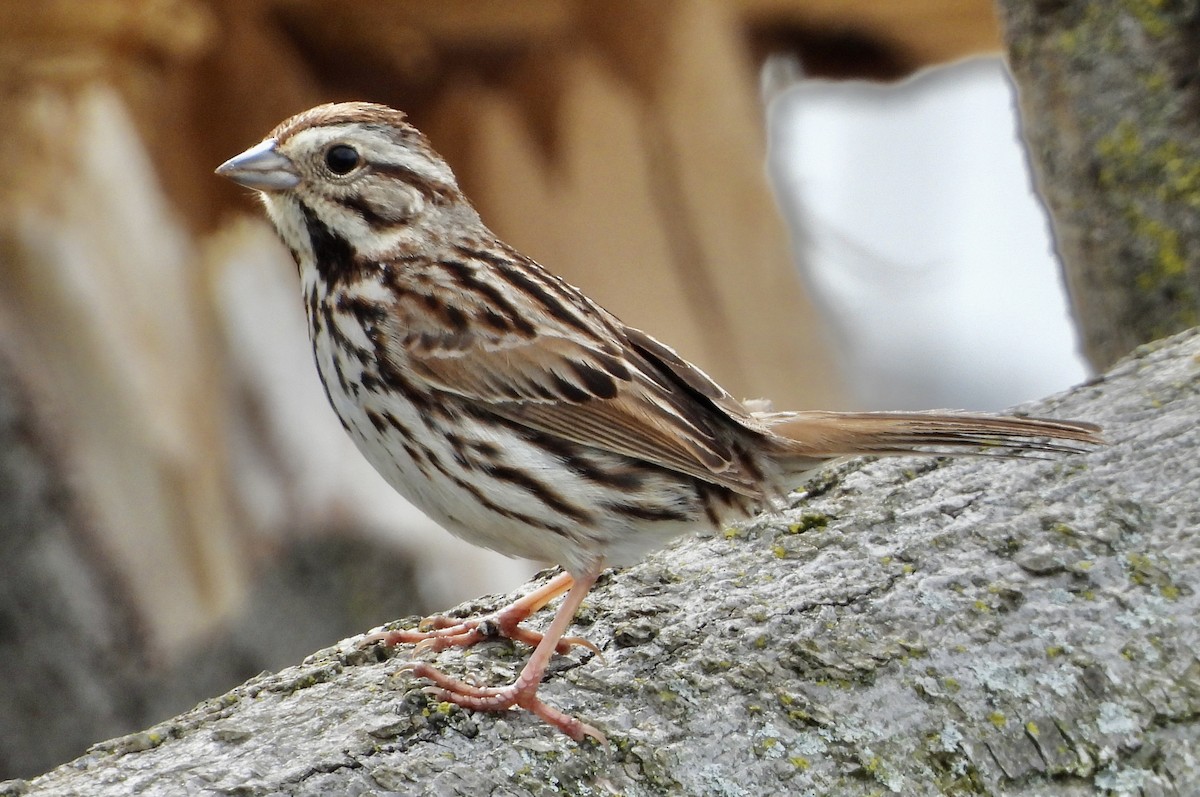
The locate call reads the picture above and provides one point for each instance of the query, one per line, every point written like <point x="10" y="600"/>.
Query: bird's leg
<point x="523" y="691"/>
<point x="438" y="633"/>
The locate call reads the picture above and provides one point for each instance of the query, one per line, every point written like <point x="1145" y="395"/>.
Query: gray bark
<point x="912" y="626"/>
<point x="1110" y="108"/>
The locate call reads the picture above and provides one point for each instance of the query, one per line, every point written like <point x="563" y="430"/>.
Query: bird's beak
<point x="262" y="167"/>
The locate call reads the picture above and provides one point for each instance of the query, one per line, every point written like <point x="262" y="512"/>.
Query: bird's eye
<point x="341" y="159"/>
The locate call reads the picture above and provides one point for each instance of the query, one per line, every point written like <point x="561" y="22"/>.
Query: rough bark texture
<point x="975" y="626"/>
<point x="1110" y="105"/>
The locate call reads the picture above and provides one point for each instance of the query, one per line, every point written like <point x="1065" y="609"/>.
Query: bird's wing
<point x="610" y="387"/>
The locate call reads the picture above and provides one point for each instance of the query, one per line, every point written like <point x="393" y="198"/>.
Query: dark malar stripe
<point x="332" y="254"/>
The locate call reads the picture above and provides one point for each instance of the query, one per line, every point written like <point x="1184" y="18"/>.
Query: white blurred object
<point x="915" y="220"/>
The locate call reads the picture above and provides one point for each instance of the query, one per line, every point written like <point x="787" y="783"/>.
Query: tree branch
<point x="911" y="626"/>
<point x="1109" y="113"/>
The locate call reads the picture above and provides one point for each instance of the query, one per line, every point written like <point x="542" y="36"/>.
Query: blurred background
<point x="818" y="201"/>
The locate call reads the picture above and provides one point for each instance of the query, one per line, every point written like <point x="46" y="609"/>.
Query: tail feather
<point x="813" y="434"/>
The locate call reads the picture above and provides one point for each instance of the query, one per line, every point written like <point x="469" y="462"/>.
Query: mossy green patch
<point x="809" y="521"/>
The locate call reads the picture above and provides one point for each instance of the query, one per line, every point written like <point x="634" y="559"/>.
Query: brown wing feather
<point x="578" y="373"/>
<point x="594" y="394"/>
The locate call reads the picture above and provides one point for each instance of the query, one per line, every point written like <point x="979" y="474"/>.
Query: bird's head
<point x="353" y="170"/>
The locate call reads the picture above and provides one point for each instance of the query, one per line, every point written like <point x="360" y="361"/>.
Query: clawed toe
<point x="436" y="622"/>
<point x="566" y="643"/>
<point x="438" y="633"/>
<point x="466" y="633"/>
<point x="492" y="699"/>
<point x="435" y="639"/>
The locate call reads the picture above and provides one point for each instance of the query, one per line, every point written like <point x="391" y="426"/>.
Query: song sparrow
<point x="514" y="410"/>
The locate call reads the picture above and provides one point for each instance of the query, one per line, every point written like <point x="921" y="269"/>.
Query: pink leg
<point x="438" y="633"/>
<point x="523" y="691"/>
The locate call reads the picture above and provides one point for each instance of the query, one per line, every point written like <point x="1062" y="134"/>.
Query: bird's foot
<point x="438" y="633"/>
<point x="522" y="693"/>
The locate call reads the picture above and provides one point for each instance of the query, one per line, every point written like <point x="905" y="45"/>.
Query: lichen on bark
<point x="1110" y="108"/>
<point x="916" y="626"/>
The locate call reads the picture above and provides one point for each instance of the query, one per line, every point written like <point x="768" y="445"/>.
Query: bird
<point x="516" y="412"/>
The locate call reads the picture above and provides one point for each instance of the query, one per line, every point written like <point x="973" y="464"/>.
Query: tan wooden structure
<point x="620" y="142"/>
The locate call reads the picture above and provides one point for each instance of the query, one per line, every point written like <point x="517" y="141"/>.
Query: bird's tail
<point x="818" y="435"/>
